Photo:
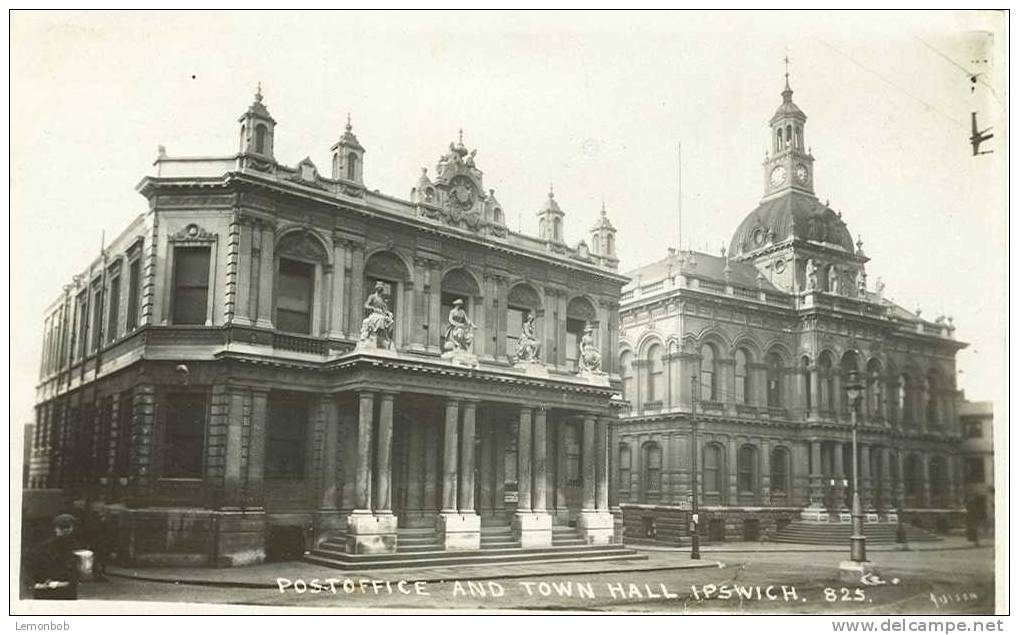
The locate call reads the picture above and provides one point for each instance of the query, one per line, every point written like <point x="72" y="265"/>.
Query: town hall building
<point x="272" y="359"/>
<point x="735" y="367"/>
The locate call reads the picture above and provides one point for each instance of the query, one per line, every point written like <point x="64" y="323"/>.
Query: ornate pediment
<point x="193" y="232"/>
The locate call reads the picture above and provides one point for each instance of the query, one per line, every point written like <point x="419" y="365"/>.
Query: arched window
<point x="931" y="392"/>
<point x="260" y="133"/>
<point x="780" y="470"/>
<point x="799" y="137"/>
<point x="774" y="375"/>
<point x="352" y="166"/>
<point x="655" y="374"/>
<point x="824" y="363"/>
<point x="709" y="378"/>
<point x="875" y="396"/>
<point x="624" y="468"/>
<point x="746" y="469"/>
<point x="652" y="468"/>
<point x="742" y="377"/>
<point x="626" y="375"/>
<point x="789" y="134"/>
<point x="905" y="398"/>
<point x="850" y="364"/>
<point x="712" y="469"/>
<point x="778" y="140"/>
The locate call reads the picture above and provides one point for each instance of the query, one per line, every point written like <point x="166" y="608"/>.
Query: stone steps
<point x="340" y="560"/>
<point x="800" y="532"/>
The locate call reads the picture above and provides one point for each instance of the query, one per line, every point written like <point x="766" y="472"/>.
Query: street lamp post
<point x="858" y="541"/>
<point x="695" y="537"/>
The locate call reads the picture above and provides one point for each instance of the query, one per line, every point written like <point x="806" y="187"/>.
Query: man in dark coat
<point x="54" y="563"/>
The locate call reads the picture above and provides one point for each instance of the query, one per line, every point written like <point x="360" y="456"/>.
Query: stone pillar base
<point x="533" y="529"/>
<point x="596" y="527"/>
<point x="458" y="531"/>
<point x="328" y="523"/>
<point x="371" y="533"/>
<point x="853" y="572"/>
<point x="815" y="514"/>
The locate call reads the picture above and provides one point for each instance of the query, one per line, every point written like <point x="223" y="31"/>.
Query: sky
<point x="594" y="104"/>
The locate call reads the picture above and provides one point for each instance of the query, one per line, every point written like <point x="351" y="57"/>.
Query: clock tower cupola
<point x="789" y="166"/>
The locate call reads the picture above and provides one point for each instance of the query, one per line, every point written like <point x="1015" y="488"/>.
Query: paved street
<point x="950" y="581"/>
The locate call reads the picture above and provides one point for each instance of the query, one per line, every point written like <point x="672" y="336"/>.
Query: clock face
<point x="461" y="192"/>
<point x="801" y="173"/>
<point x="778" y="175"/>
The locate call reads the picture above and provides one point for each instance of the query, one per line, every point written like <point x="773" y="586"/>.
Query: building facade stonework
<point x="270" y="354"/>
<point x="735" y="364"/>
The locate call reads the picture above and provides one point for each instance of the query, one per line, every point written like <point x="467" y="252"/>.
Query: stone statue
<point x="590" y="356"/>
<point x="470" y="158"/>
<point x="811" y="275"/>
<point x="379" y="322"/>
<point x="460" y="332"/>
<point x="833" y="281"/>
<point x="528" y="349"/>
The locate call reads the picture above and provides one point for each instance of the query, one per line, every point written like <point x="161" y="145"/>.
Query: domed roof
<point x="787" y="108"/>
<point x="794" y="215"/>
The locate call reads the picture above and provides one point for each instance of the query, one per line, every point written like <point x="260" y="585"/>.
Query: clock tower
<point x="788" y="166"/>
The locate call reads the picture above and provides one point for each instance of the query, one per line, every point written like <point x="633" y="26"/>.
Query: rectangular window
<point x="571" y="443"/>
<point x="712" y="463"/>
<point x="741" y="389"/>
<point x="514" y="324"/>
<point x="624" y="468"/>
<point x="974" y="430"/>
<point x="112" y="322"/>
<point x="97" y="319"/>
<point x="287" y="436"/>
<point x="81" y="324"/>
<point x="184" y="435"/>
<point x="653" y="476"/>
<point x="295" y="293"/>
<point x="190" y="285"/>
<point x="134" y="277"/>
<point x="574" y="331"/>
<point x="975" y="469"/>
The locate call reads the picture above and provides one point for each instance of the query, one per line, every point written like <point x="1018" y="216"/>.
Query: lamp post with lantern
<point x="858" y="541"/>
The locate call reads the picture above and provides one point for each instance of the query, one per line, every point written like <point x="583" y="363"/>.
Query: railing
<point x="300" y="344"/>
<point x="708" y="285"/>
<point x="749" y="294"/>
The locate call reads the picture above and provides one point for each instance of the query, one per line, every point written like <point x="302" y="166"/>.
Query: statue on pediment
<point x="590" y="356"/>
<point x="378" y="325"/>
<point x="528" y="349"/>
<point x="460" y="332"/>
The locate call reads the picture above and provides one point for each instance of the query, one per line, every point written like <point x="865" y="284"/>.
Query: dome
<point x="795" y="215"/>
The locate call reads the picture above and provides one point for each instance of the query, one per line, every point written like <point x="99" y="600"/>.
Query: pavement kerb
<point x="812" y="549"/>
<point x="706" y="564"/>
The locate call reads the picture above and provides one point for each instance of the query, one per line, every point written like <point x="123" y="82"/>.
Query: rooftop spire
<point x="551" y="193"/>
<point x="348" y="122"/>
<point x="258" y="92"/>
<point x="787" y="93"/>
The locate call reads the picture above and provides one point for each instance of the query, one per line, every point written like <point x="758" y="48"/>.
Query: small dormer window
<point x="260" y="133"/>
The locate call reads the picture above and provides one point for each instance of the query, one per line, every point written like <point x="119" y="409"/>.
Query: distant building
<point x="977" y="420"/>
<point x="755" y="344"/>
<point x="212" y="378"/>
<point x="28" y="430"/>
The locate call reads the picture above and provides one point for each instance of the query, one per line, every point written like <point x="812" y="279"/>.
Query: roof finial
<point x="603" y="206"/>
<point x="551" y="193"/>
<point x="787" y="92"/>
<point x="258" y="92"/>
<point x="461" y="138"/>
<point x="348" y="121"/>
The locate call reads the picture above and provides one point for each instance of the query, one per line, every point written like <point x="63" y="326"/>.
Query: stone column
<point x="594" y="525"/>
<point x="242" y="301"/>
<point x="383" y="459"/>
<point x="539" y="501"/>
<point x="338" y="304"/>
<point x="533" y="527"/>
<point x="253" y="488"/>
<point x="357" y="295"/>
<point x="587" y="461"/>
<point x="434" y="308"/>
<point x="368" y="532"/>
<point x="816" y="476"/>
<point x="486" y="469"/>
<point x="602" y="465"/>
<point x="449" y="457"/>
<point x="815" y="392"/>
<point x="866" y="491"/>
<point x="838" y="473"/>
<point x="458" y="529"/>
<point x="726" y="369"/>
<point x="763" y="494"/>
<point x="466" y="491"/>
<point x="327" y="516"/>
<point x="898" y="490"/>
<point x="524" y="461"/>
